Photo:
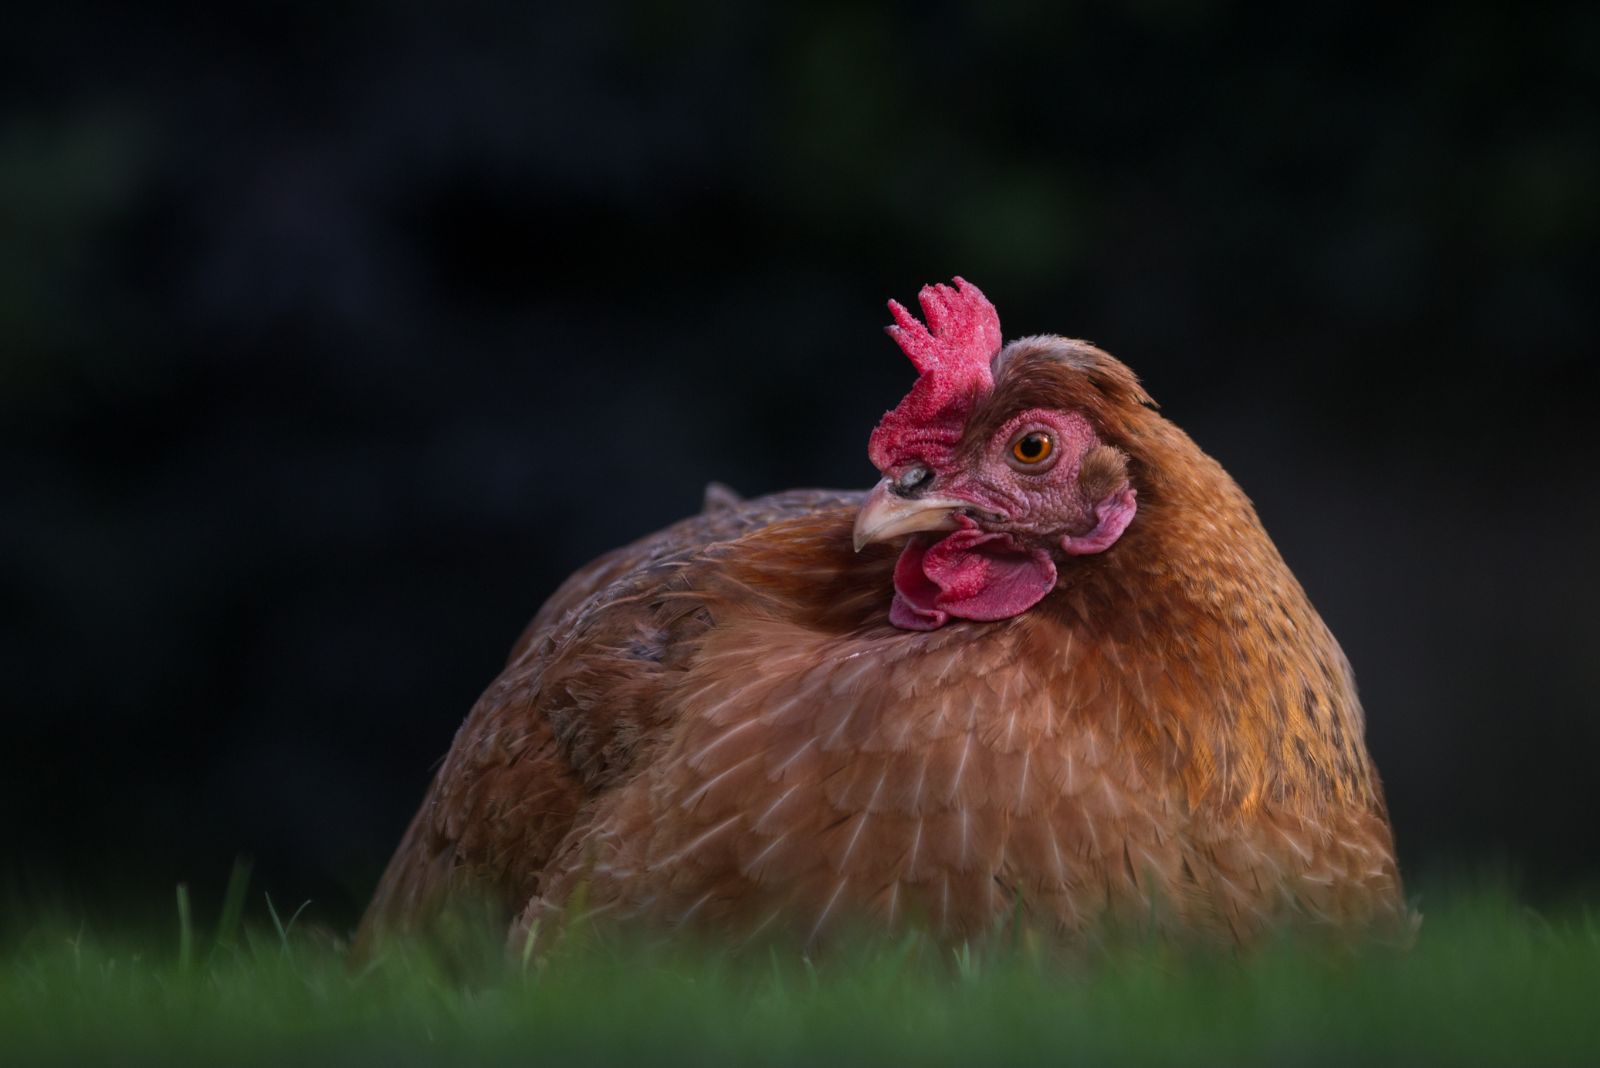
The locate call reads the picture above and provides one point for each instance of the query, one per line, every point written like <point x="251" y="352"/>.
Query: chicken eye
<point x="1033" y="447"/>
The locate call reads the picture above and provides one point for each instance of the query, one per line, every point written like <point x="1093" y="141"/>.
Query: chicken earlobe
<point x="1112" y="517"/>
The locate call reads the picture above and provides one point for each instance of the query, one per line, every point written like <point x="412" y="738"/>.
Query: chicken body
<point x="720" y="726"/>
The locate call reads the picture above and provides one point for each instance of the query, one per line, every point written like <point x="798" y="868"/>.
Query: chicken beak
<point x="885" y="514"/>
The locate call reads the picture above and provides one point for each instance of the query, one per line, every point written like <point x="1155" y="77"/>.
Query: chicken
<point x="1050" y="663"/>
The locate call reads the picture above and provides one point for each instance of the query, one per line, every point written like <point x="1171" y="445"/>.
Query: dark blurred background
<point x="333" y="336"/>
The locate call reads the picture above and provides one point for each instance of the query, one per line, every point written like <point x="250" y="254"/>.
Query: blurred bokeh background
<point x="333" y="336"/>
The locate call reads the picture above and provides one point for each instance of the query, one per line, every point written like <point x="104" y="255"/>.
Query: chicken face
<point x="992" y="499"/>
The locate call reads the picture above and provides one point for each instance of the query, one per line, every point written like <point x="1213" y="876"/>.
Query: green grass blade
<point x="232" y="906"/>
<point x="185" y="931"/>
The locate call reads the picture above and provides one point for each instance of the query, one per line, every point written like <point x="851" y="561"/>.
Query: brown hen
<point x="1088" y="688"/>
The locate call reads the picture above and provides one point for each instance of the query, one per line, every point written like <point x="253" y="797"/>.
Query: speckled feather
<point x="718" y="726"/>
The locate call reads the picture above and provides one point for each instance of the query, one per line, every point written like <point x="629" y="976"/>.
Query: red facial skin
<point x="1001" y="560"/>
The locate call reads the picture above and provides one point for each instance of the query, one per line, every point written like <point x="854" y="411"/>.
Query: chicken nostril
<point x="912" y="481"/>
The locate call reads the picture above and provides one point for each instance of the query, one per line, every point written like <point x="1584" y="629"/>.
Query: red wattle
<point x="967" y="575"/>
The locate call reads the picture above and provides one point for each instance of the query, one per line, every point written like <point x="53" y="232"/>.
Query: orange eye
<point x="1033" y="447"/>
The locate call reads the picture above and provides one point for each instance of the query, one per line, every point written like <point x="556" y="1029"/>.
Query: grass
<point x="1488" y="981"/>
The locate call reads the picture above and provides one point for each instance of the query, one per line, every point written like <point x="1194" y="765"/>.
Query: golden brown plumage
<point x="720" y="726"/>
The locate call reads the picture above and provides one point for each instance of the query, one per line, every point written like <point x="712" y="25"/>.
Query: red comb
<point x="951" y="355"/>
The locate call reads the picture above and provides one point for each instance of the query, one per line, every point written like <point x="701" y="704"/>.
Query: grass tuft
<point x="1488" y="981"/>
